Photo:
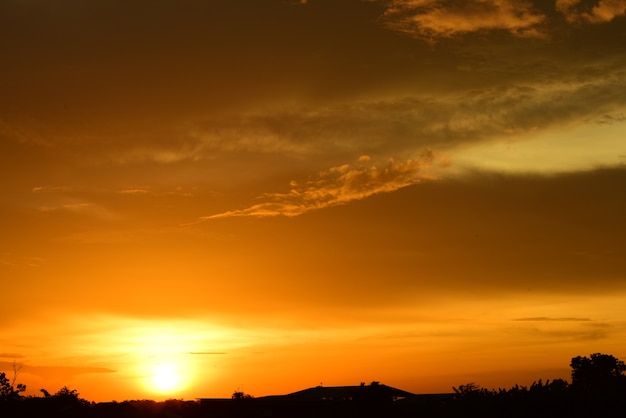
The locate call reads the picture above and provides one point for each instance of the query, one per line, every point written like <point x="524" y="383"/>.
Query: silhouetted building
<point x="319" y="401"/>
<point x="347" y="393"/>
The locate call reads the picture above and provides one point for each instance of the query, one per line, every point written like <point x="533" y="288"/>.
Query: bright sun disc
<point x="165" y="377"/>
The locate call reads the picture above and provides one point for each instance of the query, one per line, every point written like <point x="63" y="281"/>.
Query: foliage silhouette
<point x="598" y="389"/>
<point x="597" y="372"/>
<point x="240" y="395"/>
<point x="8" y="389"/>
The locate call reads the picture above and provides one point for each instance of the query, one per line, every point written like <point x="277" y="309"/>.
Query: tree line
<point x="597" y="389"/>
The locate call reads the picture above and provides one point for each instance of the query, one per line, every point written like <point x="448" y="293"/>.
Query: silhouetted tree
<point x="471" y="390"/>
<point x="597" y="372"/>
<point x="68" y="397"/>
<point x="67" y="393"/>
<point x="8" y="389"/>
<point x="239" y="395"/>
<point x="16" y="370"/>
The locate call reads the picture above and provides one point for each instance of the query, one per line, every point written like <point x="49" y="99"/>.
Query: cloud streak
<point x="432" y="19"/>
<point x="446" y="18"/>
<point x="11" y="355"/>
<point x="551" y="319"/>
<point x="340" y="185"/>
<point x="394" y="126"/>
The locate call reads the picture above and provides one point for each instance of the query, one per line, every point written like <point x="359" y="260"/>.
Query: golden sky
<point x="200" y="197"/>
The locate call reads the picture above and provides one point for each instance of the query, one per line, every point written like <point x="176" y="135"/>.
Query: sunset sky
<point x="203" y="196"/>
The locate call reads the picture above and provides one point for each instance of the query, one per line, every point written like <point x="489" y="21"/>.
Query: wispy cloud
<point x="551" y="319"/>
<point x="445" y="18"/>
<point x="10" y="260"/>
<point x="570" y="329"/>
<point x="72" y="207"/>
<point x="66" y="199"/>
<point x="134" y="191"/>
<point x="604" y="11"/>
<point x="143" y="191"/>
<point x="52" y="189"/>
<point x="62" y="370"/>
<point x="11" y="355"/>
<point x="400" y="125"/>
<point x="432" y="19"/>
<point x="611" y="119"/>
<point x="340" y="185"/>
<point x="390" y="124"/>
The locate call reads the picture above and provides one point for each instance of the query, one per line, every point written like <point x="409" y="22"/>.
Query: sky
<point x="199" y="197"/>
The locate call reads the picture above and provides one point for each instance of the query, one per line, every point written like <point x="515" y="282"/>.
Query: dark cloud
<point x="201" y="81"/>
<point x="405" y="125"/>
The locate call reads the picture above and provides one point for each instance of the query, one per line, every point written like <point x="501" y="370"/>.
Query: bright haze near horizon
<point x="200" y="197"/>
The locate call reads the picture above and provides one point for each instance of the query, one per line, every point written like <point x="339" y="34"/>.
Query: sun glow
<point x="151" y="359"/>
<point x="165" y="377"/>
<point x="163" y="358"/>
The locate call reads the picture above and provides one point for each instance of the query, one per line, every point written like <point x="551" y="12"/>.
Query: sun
<point x="166" y="377"/>
<point x="161" y="357"/>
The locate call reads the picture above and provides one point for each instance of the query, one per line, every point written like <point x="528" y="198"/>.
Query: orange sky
<point x="200" y="197"/>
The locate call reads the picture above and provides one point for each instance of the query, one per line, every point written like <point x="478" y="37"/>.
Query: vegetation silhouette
<point x="599" y="372"/>
<point x="239" y="395"/>
<point x="8" y="389"/>
<point x="597" y="389"/>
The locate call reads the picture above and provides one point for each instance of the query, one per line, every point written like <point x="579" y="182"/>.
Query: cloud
<point x="65" y="204"/>
<point x="431" y="19"/>
<point x="11" y="132"/>
<point x="445" y="18"/>
<point x="64" y="371"/>
<point x="554" y="328"/>
<point x="52" y="189"/>
<point x="550" y="319"/>
<point x="340" y="185"/>
<point x="398" y="125"/>
<point x="72" y="207"/>
<point x="11" y="355"/>
<point x="21" y="262"/>
<point x="609" y="119"/>
<point x="577" y="11"/>
<point x="133" y="191"/>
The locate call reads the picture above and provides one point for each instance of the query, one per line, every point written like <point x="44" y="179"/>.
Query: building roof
<point x="349" y="392"/>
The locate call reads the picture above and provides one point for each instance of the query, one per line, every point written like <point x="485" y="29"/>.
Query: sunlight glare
<point x="165" y="377"/>
<point x="167" y="374"/>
